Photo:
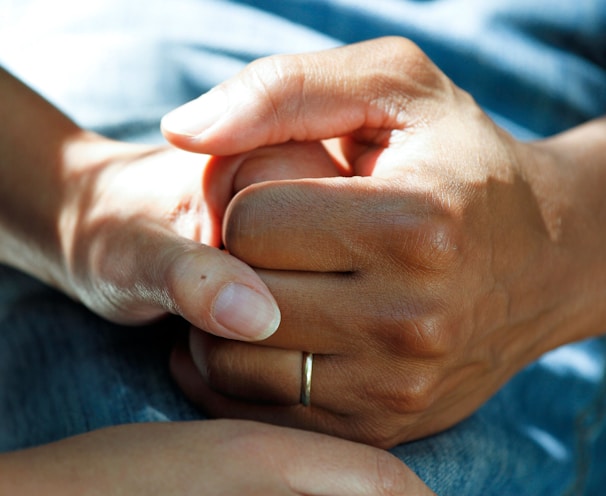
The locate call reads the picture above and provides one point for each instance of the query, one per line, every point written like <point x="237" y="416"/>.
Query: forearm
<point x="574" y="210"/>
<point x="210" y="457"/>
<point x="40" y="153"/>
<point x="20" y="474"/>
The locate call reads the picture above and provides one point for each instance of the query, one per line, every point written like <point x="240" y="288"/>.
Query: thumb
<point x="219" y="293"/>
<point x="369" y="86"/>
<point x="140" y="280"/>
<point x="227" y="175"/>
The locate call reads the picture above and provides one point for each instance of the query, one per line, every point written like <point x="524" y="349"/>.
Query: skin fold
<point x="454" y="256"/>
<point x="133" y="232"/>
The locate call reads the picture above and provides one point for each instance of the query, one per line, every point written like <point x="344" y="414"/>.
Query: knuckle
<point x="411" y="395"/>
<point x="402" y="52"/>
<point x="421" y="68"/>
<point x="431" y="336"/>
<point x="403" y="47"/>
<point x="415" y="75"/>
<point x="415" y="328"/>
<point x="395" y="404"/>
<point x="419" y="395"/>
<point x="435" y="245"/>
<point x="409" y="54"/>
<point x="427" y="240"/>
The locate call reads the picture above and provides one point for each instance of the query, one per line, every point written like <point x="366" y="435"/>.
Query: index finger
<point x="306" y="97"/>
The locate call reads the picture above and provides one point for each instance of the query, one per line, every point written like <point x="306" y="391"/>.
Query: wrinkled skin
<point x="119" y="227"/>
<point x="142" y="228"/>
<point x="453" y="258"/>
<point x="132" y="231"/>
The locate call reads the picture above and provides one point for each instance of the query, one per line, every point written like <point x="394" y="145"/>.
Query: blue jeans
<point x="117" y="66"/>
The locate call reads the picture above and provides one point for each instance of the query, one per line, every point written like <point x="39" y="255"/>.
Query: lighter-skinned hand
<point x="141" y="233"/>
<point x="132" y="231"/>
<point x="209" y="457"/>
<point x="453" y="258"/>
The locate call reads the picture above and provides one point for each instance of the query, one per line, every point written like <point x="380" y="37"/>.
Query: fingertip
<point x="177" y="139"/>
<point x="192" y="119"/>
<point x="222" y="295"/>
<point x="246" y="312"/>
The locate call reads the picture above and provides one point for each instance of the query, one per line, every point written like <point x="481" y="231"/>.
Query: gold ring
<point x="308" y="362"/>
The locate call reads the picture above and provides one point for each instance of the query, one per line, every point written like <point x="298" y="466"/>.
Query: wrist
<point x="571" y="196"/>
<point x="35" y="220"/>
<point x="87" y="166"/>
<point x="34" y="148"/>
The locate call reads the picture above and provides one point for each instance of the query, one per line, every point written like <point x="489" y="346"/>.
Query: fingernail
<point x="245" y="312"/>
<point x="195" y="117"/>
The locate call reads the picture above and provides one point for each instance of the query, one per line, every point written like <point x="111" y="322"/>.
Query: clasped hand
<point x="421" y="284"/>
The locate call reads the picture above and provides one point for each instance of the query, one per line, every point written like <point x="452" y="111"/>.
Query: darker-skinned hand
<point x="422" y="284"/>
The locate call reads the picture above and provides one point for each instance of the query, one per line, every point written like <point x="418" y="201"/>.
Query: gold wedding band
<point x="308" y="362"/>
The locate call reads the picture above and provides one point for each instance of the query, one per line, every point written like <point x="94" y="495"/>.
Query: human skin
<point x="131" y="231"/>
<point x="455" y="256"/>
<point x="206" y="457"/>
<point x="118" y="227"/>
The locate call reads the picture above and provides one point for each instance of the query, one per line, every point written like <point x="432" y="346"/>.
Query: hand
<point x="457" y="256"/>
<point x="145" y="230"/>
<point x="132" y="231"/>
<point x="211" y="458"/>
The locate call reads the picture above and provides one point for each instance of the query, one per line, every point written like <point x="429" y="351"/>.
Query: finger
<point x="207" y="457"/>
<point x="220" y="294"/>
<point x="271" y="375"/>
<point x="350" y="469"/>
<point x="225" y="176"/>
<point x="357" y="427"/>
<point x="359" y="397"/>
<point x="373" y="85"/>
<point x="288" y="161"/>
<point x="305" y="218"/>
<point x="208" y="287"/>
<point x="333" y="224"/>
<point x="331" y="466"/>
<point x="243" y="371"/>
<point x="317" y="313"/>
<point x="193" y="383"/>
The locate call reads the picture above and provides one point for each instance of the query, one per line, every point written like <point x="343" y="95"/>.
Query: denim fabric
<point x="64" y="371"/>
<point x="537" y="67"/>
<point x="116" y="66"/>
